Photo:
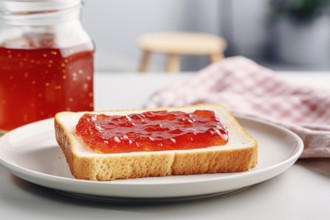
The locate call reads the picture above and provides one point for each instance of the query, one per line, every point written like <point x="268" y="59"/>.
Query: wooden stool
<point x="174" y="44"/>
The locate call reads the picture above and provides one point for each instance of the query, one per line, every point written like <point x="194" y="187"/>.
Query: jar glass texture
<point x="46" y="61"/>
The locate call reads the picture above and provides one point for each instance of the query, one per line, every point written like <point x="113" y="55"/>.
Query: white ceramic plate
<point x="31" y="153"/>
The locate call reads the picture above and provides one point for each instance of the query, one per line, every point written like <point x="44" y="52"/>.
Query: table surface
<point x="302" y="192"/>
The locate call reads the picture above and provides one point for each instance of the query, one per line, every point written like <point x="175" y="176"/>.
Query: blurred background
<point x="280" y="34"/>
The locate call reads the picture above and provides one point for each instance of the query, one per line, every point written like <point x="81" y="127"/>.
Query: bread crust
<point x="105" y="167"/>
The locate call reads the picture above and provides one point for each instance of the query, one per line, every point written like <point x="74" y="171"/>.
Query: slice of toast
<point x="237" y="155"/>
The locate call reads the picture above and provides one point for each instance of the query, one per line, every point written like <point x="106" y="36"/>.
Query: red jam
<point x="151" y="131"/>
<point x="37" y="83"/>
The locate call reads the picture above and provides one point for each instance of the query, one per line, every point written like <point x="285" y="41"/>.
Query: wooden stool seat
<point x="175" y="44"/>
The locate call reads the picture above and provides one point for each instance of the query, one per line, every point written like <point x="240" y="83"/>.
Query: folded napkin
<point x="247" y="88"/>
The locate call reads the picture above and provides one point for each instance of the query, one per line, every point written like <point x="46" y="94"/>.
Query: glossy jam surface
<point x="37" y="83"/>
<point x="151" y="131"/>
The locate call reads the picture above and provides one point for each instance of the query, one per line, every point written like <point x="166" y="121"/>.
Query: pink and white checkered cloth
<point x="250" y="89"/>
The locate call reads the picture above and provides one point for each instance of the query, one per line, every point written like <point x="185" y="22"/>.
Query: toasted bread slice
<point x="239" y="154"/>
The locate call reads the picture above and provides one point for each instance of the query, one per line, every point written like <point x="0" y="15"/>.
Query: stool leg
<point x="215" y="57"/>
<point x="144" y="63"/>
<point x="173" y="63"/>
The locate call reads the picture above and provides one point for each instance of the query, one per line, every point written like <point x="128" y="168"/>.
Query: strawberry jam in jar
<point x="46" y="61"/>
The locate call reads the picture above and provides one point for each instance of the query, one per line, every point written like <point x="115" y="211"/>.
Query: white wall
<point x="249" y="27"/>
<point x="115" y="26"/>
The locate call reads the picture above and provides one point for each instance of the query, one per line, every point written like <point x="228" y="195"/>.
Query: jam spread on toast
<point x="151" y="131"/>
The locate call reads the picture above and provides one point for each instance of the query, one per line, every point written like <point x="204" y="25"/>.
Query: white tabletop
<point x="302" y="192"/>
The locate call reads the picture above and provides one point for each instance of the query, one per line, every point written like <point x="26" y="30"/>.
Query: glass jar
<point x="46" y="61"/>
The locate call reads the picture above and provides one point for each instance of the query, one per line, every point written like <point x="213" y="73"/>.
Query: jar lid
<point x="35" y="6"/>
